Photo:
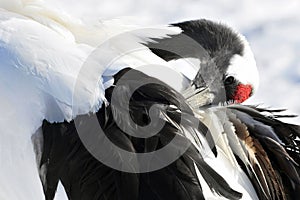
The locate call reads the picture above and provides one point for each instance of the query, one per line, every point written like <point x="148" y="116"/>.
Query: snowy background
<point x="271" y="26"/>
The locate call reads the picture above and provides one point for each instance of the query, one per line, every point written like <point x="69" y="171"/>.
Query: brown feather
<point x="268" y="184"/>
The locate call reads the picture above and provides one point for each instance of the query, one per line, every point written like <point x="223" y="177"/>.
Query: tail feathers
<point x="274" y="146"/>
<point x="215" y="181"/>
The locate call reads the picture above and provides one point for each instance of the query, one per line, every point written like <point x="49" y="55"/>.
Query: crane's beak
<point x="198" y="97"/>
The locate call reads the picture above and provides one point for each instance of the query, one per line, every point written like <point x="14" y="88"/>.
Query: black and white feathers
<point x="68" y="72"/>
<point x="266" y="149"/>
<point x="84" y="177"/>
<point x="237" y="153"/>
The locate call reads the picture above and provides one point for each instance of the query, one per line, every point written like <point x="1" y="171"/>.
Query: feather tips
<point x="273" y="149"/>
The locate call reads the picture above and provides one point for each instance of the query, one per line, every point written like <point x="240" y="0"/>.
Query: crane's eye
<point x="229" y="80"/>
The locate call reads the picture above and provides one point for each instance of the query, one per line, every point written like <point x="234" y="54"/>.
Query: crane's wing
<point x="49" y="70"/>
<point x="38" y="69"/>
<point x="66" y="158"/>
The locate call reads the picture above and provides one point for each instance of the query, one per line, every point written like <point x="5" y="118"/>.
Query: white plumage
<point x="42" y="77"/>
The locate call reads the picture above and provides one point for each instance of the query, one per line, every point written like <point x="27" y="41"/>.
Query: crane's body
<point x="55" y="70"/>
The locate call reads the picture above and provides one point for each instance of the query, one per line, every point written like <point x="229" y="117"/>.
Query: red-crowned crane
<point x="123" y="112"/>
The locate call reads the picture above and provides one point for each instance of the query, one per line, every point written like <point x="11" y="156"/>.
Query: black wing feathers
<point x="86" y="178"/>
